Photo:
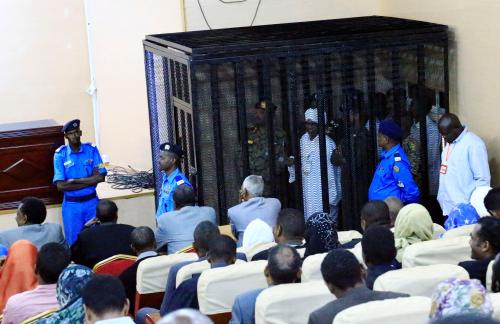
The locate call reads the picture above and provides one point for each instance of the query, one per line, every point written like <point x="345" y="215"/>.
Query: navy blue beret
<point x="391" y="129"/>
<point x="173" y="148"/>
<point x="71" y="125"/>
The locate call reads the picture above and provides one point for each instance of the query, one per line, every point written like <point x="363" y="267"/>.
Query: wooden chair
<point x="152" y="318"/>
<point x="114" y="265"/>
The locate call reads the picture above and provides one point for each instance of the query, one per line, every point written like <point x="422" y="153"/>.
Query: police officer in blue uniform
<point x="78" y="168"/>
<point x="393" y="176"/>
<point x="170" y="159"/>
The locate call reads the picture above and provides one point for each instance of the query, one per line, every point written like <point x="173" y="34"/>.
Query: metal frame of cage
<point x="179" y="65"/>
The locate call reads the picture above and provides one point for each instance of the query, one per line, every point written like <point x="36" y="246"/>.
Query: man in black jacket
<point x="103" y="240"/>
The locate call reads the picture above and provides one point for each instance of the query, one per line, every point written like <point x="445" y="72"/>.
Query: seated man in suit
<point x="374" y="212"/>
<point x="485" y="244"/>
<point x="175" y="228"/>
<point x="144" y="246"/>
<point x="31" y="213"/>
<point x="289" y="230"/>
<point x="343" y="275"/>
<point x="222" y="252"/>
<point x="379" y="253"/>
<point x="103" y="240"/>
<point x="283" y="267"/>
<point x="50" y="262"/>
<point x="252" y="206"/>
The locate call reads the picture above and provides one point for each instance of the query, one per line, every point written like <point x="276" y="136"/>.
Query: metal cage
<point x="202" y="86"/>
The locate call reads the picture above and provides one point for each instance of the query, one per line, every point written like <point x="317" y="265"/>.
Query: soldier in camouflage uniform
<point x="258" y="149"/>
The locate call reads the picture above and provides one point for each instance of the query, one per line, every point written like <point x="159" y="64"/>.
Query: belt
<point x="81" y="198"/>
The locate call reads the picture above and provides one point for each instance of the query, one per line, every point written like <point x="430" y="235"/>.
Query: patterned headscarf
<point x="321" y="234"/>
<point x="463" y="214"/>
<point x="460" y="296"/>
<point x="69" y="291"/>
<point x="413" y="224"/>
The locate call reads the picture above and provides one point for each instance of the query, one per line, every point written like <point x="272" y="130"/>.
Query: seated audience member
<point x="463" y="214"/>
<point x="413" y="224"/>
<point x="252" y="206"/>
<point x="144" y="246"/>
<point x="222" y="252"/>
<point x="458" y="297"/>
<point x="394" y="205"/>
<point x="289" y="230"/>
<point x="50" y="262"/>
<point x="343" y="276"/>
<point x="31" y="213"/>
<point x="104" y="240"/>
<point x="374" y="212"/>
<point x="492" y="202"/>
<point x="203" y="234"/>
<point x="283" y="267"/>
<point x="175" y="228"/>
<point x="18" y="271"/>
<point x="69" y="295"/>
<point x="185" y="316"/>
<point x="485" y="244"/>
<point x="105" y="301"/>
<point x="321" y="234"/>
<point x="495" y="279"/>
<point x="379" y="253"/>
<point x="256" y="233"/>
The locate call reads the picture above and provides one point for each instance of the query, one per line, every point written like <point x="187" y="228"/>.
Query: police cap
<point x="391" y="129"/>
<point x="71" y="125"/>
<point x="172" y="148"/>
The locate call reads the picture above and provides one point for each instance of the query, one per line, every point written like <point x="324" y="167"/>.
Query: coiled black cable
<point x="121" y="178"/>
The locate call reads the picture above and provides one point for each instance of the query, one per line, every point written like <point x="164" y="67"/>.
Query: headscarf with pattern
<point x="321" y="234"/>
<point x="460" y="296"/>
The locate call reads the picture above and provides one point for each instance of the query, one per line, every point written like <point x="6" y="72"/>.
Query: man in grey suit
<point x="176" y="228"/>
<point x="283" y="267"/>
<point x="344" y="277"/>
<point x="252" y="206"/>
<point x="31" y="213"/>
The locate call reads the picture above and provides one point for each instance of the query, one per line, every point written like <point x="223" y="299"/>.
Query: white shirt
<point x="311" y="175"/>
<point x="467" y="168"/>
<point x="118" y="320"/>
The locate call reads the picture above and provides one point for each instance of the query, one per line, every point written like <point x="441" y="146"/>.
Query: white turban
<point x="257" y="232"/>
<point x="311" y="115"/>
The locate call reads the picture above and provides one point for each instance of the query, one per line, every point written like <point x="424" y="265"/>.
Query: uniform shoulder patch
<point x="397" y="157"/>
<point x="60" y="148"/>
<point x="179" y="180"/>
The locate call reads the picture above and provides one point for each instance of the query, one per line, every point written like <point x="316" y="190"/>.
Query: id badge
<point x="443" y="169"/>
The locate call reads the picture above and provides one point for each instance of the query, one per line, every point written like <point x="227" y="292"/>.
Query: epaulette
<point x="60" y="148"/>
<point x="397" y="157"/>
<point x="91" y="144"/>
<point x="179" y="180"/>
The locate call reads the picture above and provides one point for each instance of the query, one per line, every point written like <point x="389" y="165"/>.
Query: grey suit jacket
<point x="39" y="234"/>
<point x="243" y="311"/>
<point x="266" y="209"/>
<point x="353" y="297"/>
<point x="176" y="228"/>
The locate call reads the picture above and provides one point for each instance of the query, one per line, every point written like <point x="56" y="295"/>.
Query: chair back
<point x="114" y="265"/>
<point x="464" y="230"/>
<point x="218" y="287"/>
<point x="311" y="267"/>
<point x="347" y="236"/>
<point x="489" y="275"/>
<point x="254" y="249"/>
<point x="290" y="303"/>
<point x="418" y="281"/>
<point x="438" y="230"/>
<point x="187" y="271"/>
<point x="495" y="301"/>
<point x="450" y="250"/>
<point x="152" y="276"/>
<point x="414" y="310"/>
<point x="357" y="250"/>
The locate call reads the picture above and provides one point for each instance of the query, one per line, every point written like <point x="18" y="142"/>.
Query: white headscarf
<point x="311" y="115"/>
<point x="257" y="232"/>
<point x="477" y="200"/>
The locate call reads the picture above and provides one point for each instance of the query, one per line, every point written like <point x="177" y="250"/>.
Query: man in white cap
<point x="311" y="168"/>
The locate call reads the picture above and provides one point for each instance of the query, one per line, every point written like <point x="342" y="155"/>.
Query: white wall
<point x="222" y="15"/>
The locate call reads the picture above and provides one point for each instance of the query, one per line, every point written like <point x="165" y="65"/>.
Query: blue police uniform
<point x="393" y="178"/>
<point x="78" y="206"/>
<point x="170" y="182"/>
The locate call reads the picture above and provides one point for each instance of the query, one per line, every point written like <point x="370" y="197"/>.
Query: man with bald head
<point x="464" y="164"/>
<point x="284" y="265"/>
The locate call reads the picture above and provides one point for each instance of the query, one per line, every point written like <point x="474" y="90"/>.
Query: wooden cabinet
<point x="26" y="167"/>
